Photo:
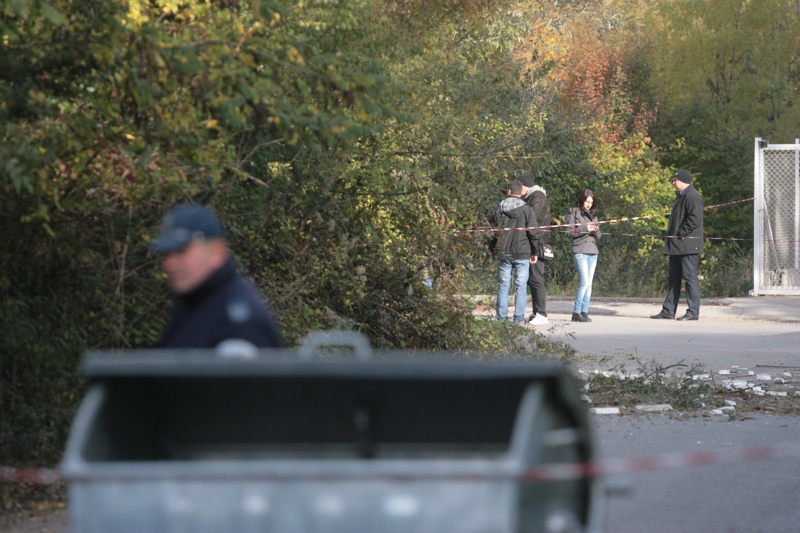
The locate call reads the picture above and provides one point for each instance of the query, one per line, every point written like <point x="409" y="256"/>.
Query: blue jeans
<point x="520" y="268"/>
<point x="585" y="263"/>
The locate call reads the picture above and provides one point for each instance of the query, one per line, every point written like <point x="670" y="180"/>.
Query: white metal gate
<point x="776" y="250"/>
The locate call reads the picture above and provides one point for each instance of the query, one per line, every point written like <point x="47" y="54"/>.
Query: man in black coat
<point x="536" y="197"/>
<point x="216" y="306"/>
<point x="684" y="244"/>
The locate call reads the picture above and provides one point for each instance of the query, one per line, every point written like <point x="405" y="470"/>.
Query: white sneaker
<point x="538" y="320"/>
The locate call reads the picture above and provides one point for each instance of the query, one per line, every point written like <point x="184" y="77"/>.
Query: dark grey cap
<point x="186" y="223"/>
<point x="682" y="175"/>
<point x="525" y="179"/>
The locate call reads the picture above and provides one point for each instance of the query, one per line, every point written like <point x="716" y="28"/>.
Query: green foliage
<point x="345" y="145"/>
<point x="725" y="72"/>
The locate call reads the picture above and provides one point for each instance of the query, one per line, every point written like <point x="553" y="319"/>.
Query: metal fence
<point x="776" y="258"/>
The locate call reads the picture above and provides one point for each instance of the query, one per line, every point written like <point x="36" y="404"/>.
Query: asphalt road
<point x="748" y="496"/>
<point x="747" y="332"/>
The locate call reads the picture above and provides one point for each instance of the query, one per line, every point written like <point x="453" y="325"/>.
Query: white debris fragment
<point x="779" y="381"/>
<point x="716" y="412"/>
<point x="751" y="373"/>
<point x="586" y="399"/>
<point x="654" y="408"/>
<point x="732" y="403"/>
<point x="604" y="410"/>
<point x="738" y="384"/>
<point x="724" y="372"/>
<point x="758" y="389"/>
<point x="787" y="374"/>
<point x="727" y="408"/>
<point x="701" y="377"/>
<point x="763" y="377"/>
<point x="776" y="393"/>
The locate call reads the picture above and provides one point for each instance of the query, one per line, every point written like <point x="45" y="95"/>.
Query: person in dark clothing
<point x="216" y="306"/>
<point x="684" y="244"/>
<point x="515" y="249"/>
<point x="536" y="197"/>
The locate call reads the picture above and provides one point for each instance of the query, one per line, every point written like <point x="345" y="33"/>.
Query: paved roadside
<point x="749" y="332"/>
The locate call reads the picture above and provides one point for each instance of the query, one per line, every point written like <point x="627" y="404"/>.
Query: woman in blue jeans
<point x="584" y="231"/>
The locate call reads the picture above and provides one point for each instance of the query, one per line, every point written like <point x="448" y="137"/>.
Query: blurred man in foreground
<point x="215" y="303"/>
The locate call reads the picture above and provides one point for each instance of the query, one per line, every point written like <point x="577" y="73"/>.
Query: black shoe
<point x="687" y="316"/>
<point x="662" y="315"/>
<point x="577" y="317"/>
<point x="586" y="317"/>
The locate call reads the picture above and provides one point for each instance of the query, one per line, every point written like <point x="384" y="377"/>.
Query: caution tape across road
<point x="539" y="473"/>
<point x="554" y="227"/>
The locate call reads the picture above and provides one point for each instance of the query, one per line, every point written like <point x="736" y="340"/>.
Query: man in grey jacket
<point x="516" y="249"/>
<point x="684" y="244"/>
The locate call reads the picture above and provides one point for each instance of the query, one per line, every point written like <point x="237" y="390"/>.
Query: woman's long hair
<point x="582" y="196"/>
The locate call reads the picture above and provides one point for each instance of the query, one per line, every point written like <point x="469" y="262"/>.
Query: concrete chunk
<point x="732" y="403"/>
<point x="763" y="377"/>
<point x="604" y="410"/>
<point x="654" y="408"/>
<point x="716" y="412"/>
<point x="776" y="393"/>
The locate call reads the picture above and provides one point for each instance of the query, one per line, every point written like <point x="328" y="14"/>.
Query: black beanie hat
<point x="525" y="179"/>
<point x="683" y="175"/>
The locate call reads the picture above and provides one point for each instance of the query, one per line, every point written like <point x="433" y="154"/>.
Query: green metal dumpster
<point x="186" y="441"/>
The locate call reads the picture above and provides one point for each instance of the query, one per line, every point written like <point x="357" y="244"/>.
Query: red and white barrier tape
<point x="29" y="476"/>
<point x="547" y="472"/>
<point x="607" y="221"/>
<point x="664" y="461"/>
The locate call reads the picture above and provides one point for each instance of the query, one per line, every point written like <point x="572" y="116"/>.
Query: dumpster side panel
<point x="362" y="506"/>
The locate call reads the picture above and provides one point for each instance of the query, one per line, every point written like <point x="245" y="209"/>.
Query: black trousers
<point x="538" y="289"/>
<point x="683" y="268"/>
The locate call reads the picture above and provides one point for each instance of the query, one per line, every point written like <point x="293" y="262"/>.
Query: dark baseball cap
<point x="525" y="179"/>
<point x="682" y="175"/>
<point x="186" y="223"/>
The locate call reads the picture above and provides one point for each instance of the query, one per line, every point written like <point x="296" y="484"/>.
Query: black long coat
<point x="685" y="220"/>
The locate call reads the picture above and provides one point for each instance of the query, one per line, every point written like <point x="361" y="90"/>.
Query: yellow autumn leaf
<point x="130" y="136"/>
<point x="210" y="124"/>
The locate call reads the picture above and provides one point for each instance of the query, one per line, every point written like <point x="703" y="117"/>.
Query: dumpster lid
<point x="284" y="362"/>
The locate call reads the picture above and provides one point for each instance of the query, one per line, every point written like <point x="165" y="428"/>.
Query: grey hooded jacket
<point x="513" y="212"/>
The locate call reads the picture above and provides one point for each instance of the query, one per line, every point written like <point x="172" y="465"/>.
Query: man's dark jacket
<point x="537" y="199"/>
<point x="225" y="307"/>
<point x="513" y="212"/>
<point x="685" y="220"/>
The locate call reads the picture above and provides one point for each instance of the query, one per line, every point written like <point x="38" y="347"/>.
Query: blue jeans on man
<point x="586" y="264"/>
<point x="519" y="268"/>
